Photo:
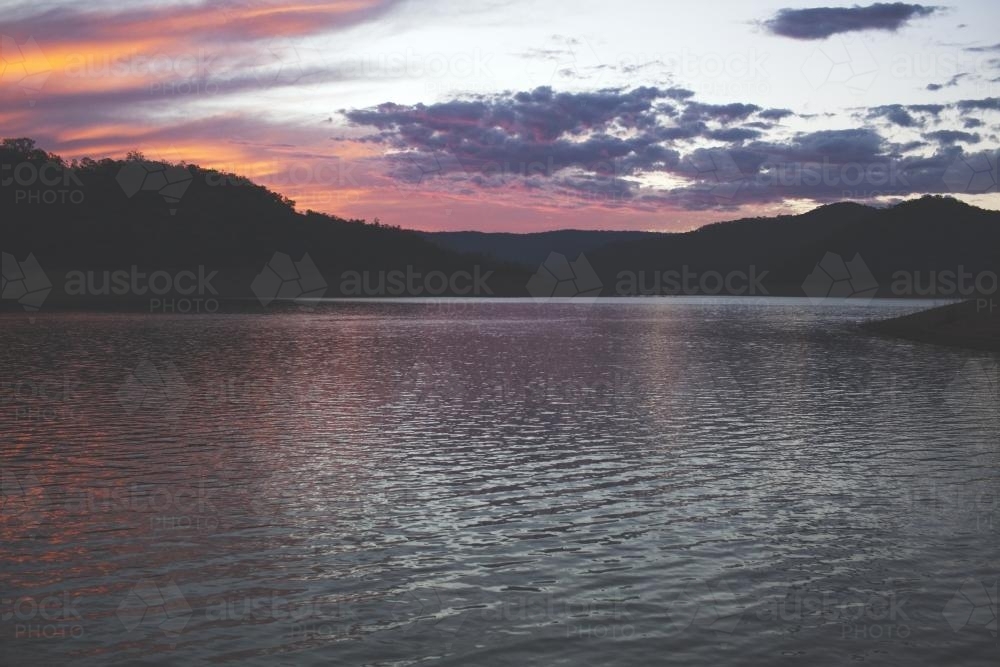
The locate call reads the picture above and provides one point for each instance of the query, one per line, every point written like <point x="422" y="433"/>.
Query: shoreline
<point x="973" y="325"/>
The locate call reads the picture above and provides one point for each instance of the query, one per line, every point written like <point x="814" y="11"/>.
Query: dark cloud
<point x="895" y="114"/>
<point x="953" y="81"/>
<point x="822" y="22"/>
<point x="733" y="134"/>
<point x="970" y="123"/>
<point x="679" y="93"/>
<point x="949" y="137"/>
<point x="985" y="104"/>
<point x="724" y="113"/>
<point x="983" y="49"/>
<point x="932" y="109"/>
<point x="775" y="114"/>
<point x="609" y="146"/>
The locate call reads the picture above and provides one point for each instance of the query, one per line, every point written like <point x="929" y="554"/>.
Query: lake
<point x="660" y="481"/>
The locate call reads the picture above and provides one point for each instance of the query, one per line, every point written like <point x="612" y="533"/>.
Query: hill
<point x="94" y="219"/>
<point x="532" y="249"/>
<point x="94" y="232"/>
<point x="973" y="324"/>
<point x="932" y="246"/>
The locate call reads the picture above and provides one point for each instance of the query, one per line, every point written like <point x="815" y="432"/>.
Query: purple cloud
<point x="822" y="22"/>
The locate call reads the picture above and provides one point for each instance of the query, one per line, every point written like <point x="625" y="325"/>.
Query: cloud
<point x="894" y="113"/>
<point x="775" y="114"/>
<point x="932" y="109"/>
<point x="953" y="81"/>
<point x="725" y="113"/>
<point x="950" y="137"/>
<point x="615" y="148"/>
<point x="985" y="104"/>
<point x="733" y="134"/>
<point x="822" y="22"/>
<point x="194" y="24"/>
<point x="983" y="49"/>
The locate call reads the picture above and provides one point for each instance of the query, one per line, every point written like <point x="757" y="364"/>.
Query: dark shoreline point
<point x="973" y="324"/>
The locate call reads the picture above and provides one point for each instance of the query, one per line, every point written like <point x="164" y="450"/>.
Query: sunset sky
<point x="521" y="115"/>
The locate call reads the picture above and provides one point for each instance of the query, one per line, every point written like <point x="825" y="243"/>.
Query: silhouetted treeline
<point x="923" y="242"/>
<point x="104" y="215"/>
<point x="111" y="215"/>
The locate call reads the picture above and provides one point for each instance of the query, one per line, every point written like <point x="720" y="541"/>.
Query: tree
<point x="21" y="145"/>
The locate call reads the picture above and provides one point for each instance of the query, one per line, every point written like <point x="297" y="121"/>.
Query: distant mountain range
<point x="916" y="248"/>
<point x="532" y="249"/>
<point x="88" y="228"/>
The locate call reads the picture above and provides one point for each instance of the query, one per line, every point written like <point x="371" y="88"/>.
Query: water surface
<point x="675" y="481"/>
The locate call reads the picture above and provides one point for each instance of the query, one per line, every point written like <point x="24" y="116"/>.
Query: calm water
<point x="691" y="482"/>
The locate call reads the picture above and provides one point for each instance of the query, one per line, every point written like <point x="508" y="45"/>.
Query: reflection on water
<point x="493" y="483"/>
